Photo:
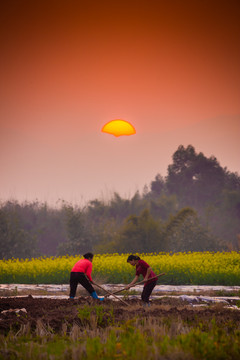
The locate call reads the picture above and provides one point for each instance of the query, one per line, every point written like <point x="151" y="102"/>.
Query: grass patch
<point x="98" y="335"/>
<point x="128" y="341"/>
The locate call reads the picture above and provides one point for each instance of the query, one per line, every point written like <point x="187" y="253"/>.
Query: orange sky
<point x="68" y="67"/>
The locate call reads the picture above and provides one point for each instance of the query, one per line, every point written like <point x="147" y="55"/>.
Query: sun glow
<point x="119" y="128"/>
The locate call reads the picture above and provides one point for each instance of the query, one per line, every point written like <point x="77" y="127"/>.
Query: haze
<point x="69" y="67"/>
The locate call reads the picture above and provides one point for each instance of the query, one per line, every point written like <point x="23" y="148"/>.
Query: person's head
<point x="133" y="259"/>
<point x="88" y="256"/>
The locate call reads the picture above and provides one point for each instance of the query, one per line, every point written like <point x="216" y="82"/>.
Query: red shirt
<point x="84" y="266"/>
<point x="141" y="269"/>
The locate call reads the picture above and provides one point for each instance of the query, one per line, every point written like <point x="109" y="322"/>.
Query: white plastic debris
<point x="14" y="310"/>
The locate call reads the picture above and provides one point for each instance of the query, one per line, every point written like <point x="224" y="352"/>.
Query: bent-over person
<point x="142" y="268"/>
<point x="81" y="273"/>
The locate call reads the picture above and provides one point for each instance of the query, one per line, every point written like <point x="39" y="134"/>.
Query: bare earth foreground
<point x="56" y="315"/>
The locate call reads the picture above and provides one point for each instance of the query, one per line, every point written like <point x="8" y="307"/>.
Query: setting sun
<point x="119" y="128"/>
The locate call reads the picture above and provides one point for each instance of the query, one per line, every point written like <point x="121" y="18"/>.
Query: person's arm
<point x="89" y="271"/>
<point x="147" y="273"/>
<point x="132" y="282"/>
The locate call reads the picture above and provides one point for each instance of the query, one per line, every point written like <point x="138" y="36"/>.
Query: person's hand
<point x="127" y="287"/>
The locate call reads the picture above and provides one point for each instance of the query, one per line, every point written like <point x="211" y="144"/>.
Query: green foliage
<point x="196" y="180"/>
<point x="182" y="232"/>
<point x="176" y="221"/>
<point x="137" y="338"/>
<point x="224" y="219"/>
<point x="140" y="233"/>
<point x="158" y="185"/>
<point x="15" y="241"/>
<point x="185" y="233"/>
<point x="29" y="229"/>
<point x="156" y="220"/>
<point x="96" y="315"/>
<point x="163" y="206"/>
<point x="79" y="240"/>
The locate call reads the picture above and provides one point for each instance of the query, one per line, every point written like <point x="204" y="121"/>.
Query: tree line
<point x="196" y="207"/>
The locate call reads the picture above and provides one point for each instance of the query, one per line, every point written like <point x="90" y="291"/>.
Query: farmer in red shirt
<point x="81" y="273"/>
<point x="142" y="268"/>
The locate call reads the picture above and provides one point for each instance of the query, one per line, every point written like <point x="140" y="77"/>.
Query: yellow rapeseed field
<point x="194" y="268"/>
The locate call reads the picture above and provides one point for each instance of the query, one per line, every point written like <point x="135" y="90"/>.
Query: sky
<point x="170" y="68"/>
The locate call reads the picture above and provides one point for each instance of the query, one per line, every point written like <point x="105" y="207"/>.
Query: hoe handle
<point x="138" y="283"/>
<point x="109" y="293"/>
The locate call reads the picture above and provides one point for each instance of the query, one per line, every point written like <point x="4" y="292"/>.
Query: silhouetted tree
<point x="195" y="179"/>
<point x="154" y="221"/>
<point x="158" y="185"/>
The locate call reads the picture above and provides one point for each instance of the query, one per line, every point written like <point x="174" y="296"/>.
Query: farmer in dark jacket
<point x="142" y="268"/>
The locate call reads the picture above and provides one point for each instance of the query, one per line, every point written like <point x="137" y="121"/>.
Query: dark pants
<point x="78" y="277"/>
<point x="147" y="290"/>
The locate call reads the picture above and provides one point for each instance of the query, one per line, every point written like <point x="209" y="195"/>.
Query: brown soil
<point x="56" y="313"/>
